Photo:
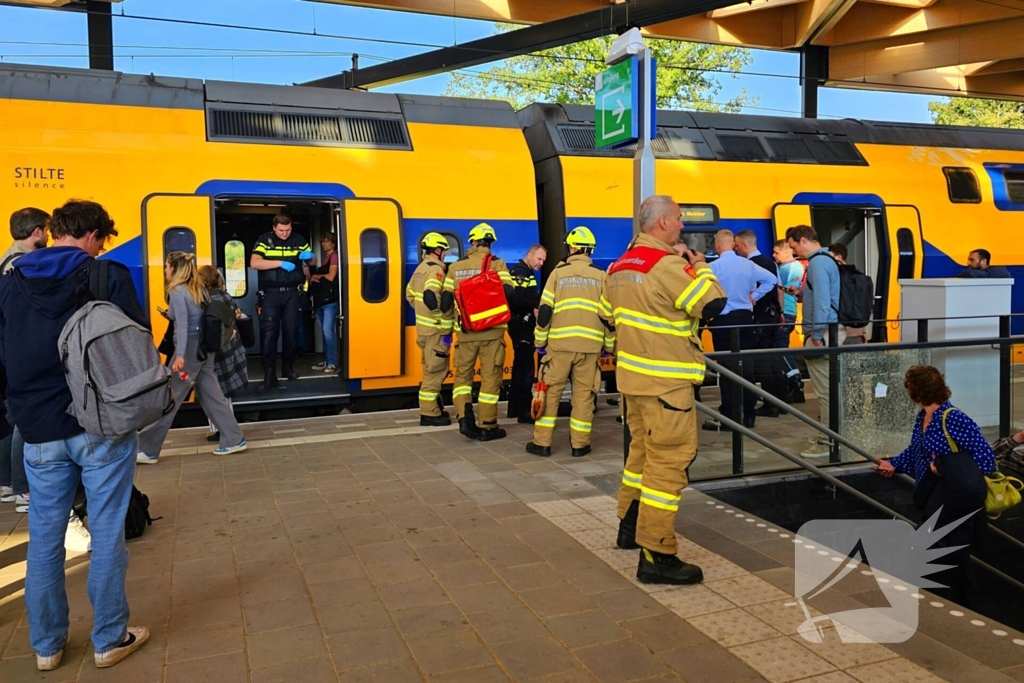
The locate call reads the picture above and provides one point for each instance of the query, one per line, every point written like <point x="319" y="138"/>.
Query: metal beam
<point x="813" y="74"/>
<point x="615" y="18"/>
<point x="101" y="35"/>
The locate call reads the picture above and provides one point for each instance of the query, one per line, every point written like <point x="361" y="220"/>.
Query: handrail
<point x="866" y="348"/>
<point x="750" y="434"/>
<point x="878" y="321"/>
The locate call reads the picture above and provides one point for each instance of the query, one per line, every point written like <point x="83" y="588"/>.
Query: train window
<point x="373" y="245"/>
<point x="905" y="244"/>
<point x="962" y="184"/>
<point x="1014" y="186"/>
<point x="179" y="239"/>
<point x="235" y="280"/>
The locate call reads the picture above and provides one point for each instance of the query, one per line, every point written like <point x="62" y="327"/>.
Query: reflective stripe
<point x="576" y="331"/>
<point x="429" y="322"/>
<point x="660" y="368"/>
<point x="606" y="307"/>
<point x="659" y="499"/>
<point x="462" y="391"/>
<point x="489" y="399"/>
<point x="446" y="325"/>
<point x="285" y="253"/>
<point x="579" y="425"/>
<point x="532" y="282"/>
<point x="547" y="422"/>
<point x="506" y="278"/>
<point x="548" y="297"/>
<point x="576" y="305"/>
<point x="631" y="479"/>
<point x="540" y="335"/>
<point x="630" y="318"/>
<point x="488" y="313"/>
<point x="693" y="292"/>
<point x="428" y="396"/>
<point x="416" y="296"/>
<point x="432" y="284"/>
<point x="449" y="284"/>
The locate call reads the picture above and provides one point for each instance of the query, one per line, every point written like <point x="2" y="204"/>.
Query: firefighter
<point x="525" y="301"/>
<point x="572" y="331"/>
<point x="433" y="328"/>
<point x="657" y="300"/>
<point x="487" y="345"/>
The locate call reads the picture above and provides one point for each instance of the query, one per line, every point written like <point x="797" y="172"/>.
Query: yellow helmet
<point x="482" y="232"/>
<point x="581" y="238"/>
<point x="434" y="240"/>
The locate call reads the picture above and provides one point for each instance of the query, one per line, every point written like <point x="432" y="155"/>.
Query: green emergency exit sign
<point x="616" y="105"/>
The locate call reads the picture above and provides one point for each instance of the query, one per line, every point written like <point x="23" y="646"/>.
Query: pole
<point x="643" y="161"/>
<point x="101" y="35"/>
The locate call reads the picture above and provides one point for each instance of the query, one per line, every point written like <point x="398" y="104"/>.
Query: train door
<point x="372" y="339"/>
<point x="172" y="222"/>
<point x="906" y="244"/>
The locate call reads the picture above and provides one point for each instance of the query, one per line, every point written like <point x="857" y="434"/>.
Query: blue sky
<point x="58" y="38"/>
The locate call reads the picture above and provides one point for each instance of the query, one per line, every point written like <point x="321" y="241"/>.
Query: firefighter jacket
<point x="571" y="317"/>
<point x="424" y="295"/>
<point x="469" y="266"/>
<point x="525" y="300"/>
<point x="657" y="305"/>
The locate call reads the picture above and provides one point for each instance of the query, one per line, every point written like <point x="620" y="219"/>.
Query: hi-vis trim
<point x="430" y="322"/>
<point x="540" y="336"/>
<point x="432" y="284"/>
<point x="631" y="479"/>
<point x="488" y="313"/>
<point x="546" y="422"/>
<point x="579" y="425"/>
<point x="576" y="304"/>
<point x="416" y="296"/>
<point x="625" y="317"/>
<point x="506" y="278"/>
<point x="659" y="499"/>
<point x="660" y="368"/>
<point x="548" y="297"/>
<point x="462" y="391"/>
<point x="576" y="331"/>
<point x="606" y="307"/>
<point x="428" y="396"/>
<point x="694" y="291"/>
<point x="489" y="399"/>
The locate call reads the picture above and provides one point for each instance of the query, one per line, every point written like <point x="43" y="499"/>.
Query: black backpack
<point x="856" y="295"/>
<point x="217" y="327"/>
<point x="135" y="522"/>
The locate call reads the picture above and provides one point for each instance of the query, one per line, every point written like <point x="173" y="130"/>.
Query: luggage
<point x="217" y="327"/>
<point x="481" y="300"/>
<point x="135" y="521"/>
<point x="856" y="295"/>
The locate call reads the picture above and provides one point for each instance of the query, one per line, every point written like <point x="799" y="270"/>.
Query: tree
<point x="687" y="75"/>
<point x="966" y="111"/>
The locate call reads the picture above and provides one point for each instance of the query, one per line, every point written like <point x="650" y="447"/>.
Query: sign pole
<point x="643" y="161"/>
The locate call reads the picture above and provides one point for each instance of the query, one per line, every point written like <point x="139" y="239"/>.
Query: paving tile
<point x="198" y="614"/>
<point x="398" y="671"/>
<point x="423" y="538"/>
<point x="401" y="571"/>
<point x="664" y="632"/>
<point x="449" y="652"/>
<point x="781" y="660"/>
<point x="413" y="594"/>
<point x="746" y="590"/>
<point x="506" y="625"/>
<point x="691" y="601"/>
<point x="394" y="551"/>
<point x="362" y="648"/>
<point x="893" y="671"/>
<point x="485" y="597"/>
<point x="332" y="570"/>
<point x="465" y="574"/>
<point x="484" y="674"/>
<point x="319" y="670"/>
<point x="270" y="616"/>
<point x="347" y="592"/>
<point x="450" y="553"/>
<point x="344" y="618"/>
<point x="622" y="661"/>
<point x="733" y="627"/>
<point x="708" y="663"/>
<point x="845" y="655"/>
<point x="532" y="576"/>
<point x="144" y="666"/>
<point x="534" y="657"/>
<point x="784" y="616"/>
<point x="586" y="628"/>
<point x="204" y="642"/>
<point x="422" y="622"/>
<point x="628" y="603"/>
<point x="832" y="677"/>
<point x="286" y="645"/>
<point x="293" y="588"/>
<point x="228" y="668"/>
<point x="556" y="600"/>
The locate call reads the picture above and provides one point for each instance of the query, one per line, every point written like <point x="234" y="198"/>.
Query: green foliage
<point x="687" y="77"/>
<point x="966" y="111"/>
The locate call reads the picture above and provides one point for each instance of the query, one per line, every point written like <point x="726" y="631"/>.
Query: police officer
<point x="280" y="256"/>
<point x="525" y="301"/>
<point x="572" y="330"/>
<point x="433" y="328"/>
<point x="487" y="345"/>
<point x="657" y="300"/>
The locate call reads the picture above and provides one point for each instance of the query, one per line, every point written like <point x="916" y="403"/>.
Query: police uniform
<point x="433" y="328"/>
<point x="657" y="304"/>
<point x="572" y="330"/>
<point x="487" y="345"/>
<point x="525" y="300"/>
<point x="280" y="293"/>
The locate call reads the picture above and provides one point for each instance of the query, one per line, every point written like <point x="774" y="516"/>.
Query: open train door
<point x="372" y="331"/>
<point x="172" y="222"/>
<point x="906" y="260"/>
<point x="785" y="216"/>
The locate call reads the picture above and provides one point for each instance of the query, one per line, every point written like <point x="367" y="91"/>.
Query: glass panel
<point x="234" y="269"/>
<point x="1015" y="186"/>
<point x="963" y="185"/>
<point x="905" y="245"/>
<point x="179" y="239"/>
<point x="373" y="245"/>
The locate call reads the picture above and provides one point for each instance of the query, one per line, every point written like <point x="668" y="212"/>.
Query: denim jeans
<point x="106" y="469"/>
<point x="326" y="315"/>
<point x="12" y="463"/>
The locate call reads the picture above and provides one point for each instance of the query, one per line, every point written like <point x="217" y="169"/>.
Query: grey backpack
<point x="117" y="382"/>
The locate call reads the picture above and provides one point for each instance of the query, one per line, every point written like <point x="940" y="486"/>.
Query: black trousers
<point x="721" y="336"/>
<point x="769" y="371"/>
<point x="520" y="389"/>
<point x="279" y="317"/>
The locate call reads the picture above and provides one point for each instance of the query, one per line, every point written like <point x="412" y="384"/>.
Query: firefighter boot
<point x="467" y="424"/>
<point x="492" y="434"/>
<point x="580" y="452"/>
<point x="534" y="449"/>
<point x="668" y="569"/>
<point x="269" y="378"/>
<point x="627" y="527"/>
<point x="441" y="420"/>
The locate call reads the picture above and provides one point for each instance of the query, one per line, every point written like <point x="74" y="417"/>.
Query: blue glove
<point x="306" y="256"/>
<point x="606" y="354"/>
<point x="287" y="266"/>
<point x="446" y="339"/>
<point x="541" y="351"/>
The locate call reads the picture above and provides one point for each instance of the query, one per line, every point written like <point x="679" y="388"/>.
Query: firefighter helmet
<point x="581" y="238"/>
<point x="482" y="232"/>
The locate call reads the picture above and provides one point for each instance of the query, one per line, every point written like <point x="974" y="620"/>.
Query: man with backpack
<point x="45" y="289"/>
<point x="483" y="315"/>
<point x="856" y="297"/>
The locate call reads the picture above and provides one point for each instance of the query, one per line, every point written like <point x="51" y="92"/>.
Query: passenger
<point x="185" y="296"/>
<point x="433" y="328"/>
<point x="487" y="345"/>
<point x="791" y="277"/>
<point x="821" y="306"/>
<point x="978" y="265"/>
<point x="573" y="327"/>
<point x="524" y="304"/>
<point x="745" y="283"/>
<point x="323" y="286"/>
<point x="854" y="335"/>
<point x="656" y="305"/>
<point x="230" y="363"/>
<point x="947" y="457"/>
<point x="46" y="287"/>
<point x="1010" y="452"/>
<point x="280" y="256"/>
<point x="768" y="316"/>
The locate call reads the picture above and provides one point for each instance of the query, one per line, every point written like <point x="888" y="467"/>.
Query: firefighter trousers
<point x="491" y="353"/>
<point x="557" y="367"/>
<point x="434" y="360"/>
<point x="663" y="443"/>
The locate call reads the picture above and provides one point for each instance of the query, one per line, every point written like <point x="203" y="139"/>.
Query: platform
<point x="363" y="547"/>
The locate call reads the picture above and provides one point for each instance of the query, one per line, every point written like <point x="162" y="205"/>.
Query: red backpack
<point x="481" y="300"/>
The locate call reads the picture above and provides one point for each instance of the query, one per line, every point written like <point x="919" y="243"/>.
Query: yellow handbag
<point x="1002" y="493"/>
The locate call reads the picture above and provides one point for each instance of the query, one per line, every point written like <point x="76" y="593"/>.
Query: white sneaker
<point x="53" y="661"/>
<point x="21" y="504"/>
<point x="820" y="449"/>
<point x="144" y="459"/>
<point x="77" y="538"/>
<point x="6" y="494"/>
<point x="137" y="637"/>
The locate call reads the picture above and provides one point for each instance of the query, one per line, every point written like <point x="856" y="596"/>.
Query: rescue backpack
<point x="118" y="384"/>
<point x="481" y="300"/>
<point x="856" y="295"/>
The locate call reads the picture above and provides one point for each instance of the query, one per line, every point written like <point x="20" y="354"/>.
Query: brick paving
<point x="365" y="548"/>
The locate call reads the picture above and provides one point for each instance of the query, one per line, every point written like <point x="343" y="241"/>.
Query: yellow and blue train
<point x="198" y="166"/>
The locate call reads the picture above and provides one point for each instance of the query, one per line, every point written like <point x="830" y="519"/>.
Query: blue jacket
<point x="37" y="298"/>
<point x="991" y="271"/>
